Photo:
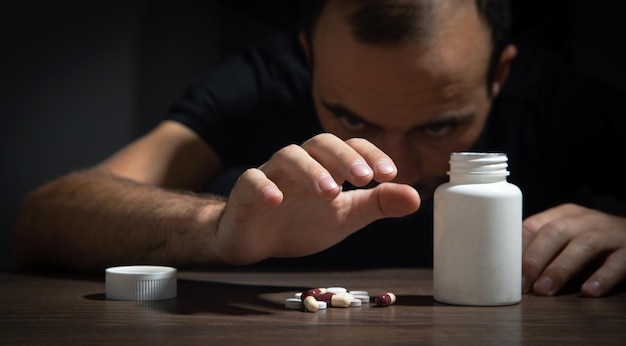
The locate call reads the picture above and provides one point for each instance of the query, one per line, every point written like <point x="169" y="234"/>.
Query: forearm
<point x="90" y="220"/>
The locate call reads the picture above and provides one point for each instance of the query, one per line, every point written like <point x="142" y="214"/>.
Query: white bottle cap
<point x="140" y="283"/>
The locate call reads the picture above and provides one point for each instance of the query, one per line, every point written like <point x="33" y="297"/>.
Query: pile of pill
<point x="315" y="299"/>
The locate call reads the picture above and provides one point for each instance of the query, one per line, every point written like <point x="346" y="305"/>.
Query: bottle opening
<point x="478" y="163"/>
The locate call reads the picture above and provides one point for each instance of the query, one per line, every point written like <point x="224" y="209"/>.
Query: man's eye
<point x="439" y="130"/>
<point x="351" y="123"/>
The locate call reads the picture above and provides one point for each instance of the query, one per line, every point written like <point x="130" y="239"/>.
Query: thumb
<point x="387" y="200"/>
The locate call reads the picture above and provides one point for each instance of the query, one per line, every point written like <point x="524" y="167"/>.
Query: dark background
<point x="80" y="79"/>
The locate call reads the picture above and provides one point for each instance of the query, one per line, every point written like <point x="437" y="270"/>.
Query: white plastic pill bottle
<point x="477" y="233"/>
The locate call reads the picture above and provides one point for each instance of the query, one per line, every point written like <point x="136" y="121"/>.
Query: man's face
<point x="417" y="102"/>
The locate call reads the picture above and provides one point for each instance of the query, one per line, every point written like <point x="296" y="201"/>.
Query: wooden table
<point x="243" y="307"/>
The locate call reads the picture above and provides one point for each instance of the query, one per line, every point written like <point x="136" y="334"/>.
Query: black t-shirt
<point x="563" y="134"/>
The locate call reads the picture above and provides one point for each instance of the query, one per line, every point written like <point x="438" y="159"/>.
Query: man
<point x="338" y="132"/>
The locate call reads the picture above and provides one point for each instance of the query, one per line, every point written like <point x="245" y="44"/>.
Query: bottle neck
<point x="476" y="179"/>
<point x="473" y="167"/>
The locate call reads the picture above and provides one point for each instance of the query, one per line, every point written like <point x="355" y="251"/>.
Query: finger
<point x="580" y="251"/>
<point x="397" y="200"/>
<point x="535" y="222"/>
<point x="609" y="275"/>
<point x="384" y="168"/>
<point x="292" y="167"/>
<point x="254" y="186"/>
<point x="341" y="159"/>
<point x="384" y="200"/>
<point x="547" y="243"/>
<point x="236" y="240"/>
<point x="527" y="237"/>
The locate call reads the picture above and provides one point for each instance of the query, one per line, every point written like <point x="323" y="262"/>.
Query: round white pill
<point x="359" y="293"/>
<point x="362" y="298"/>
<point x="337" y="290"/>
<point x="355" y="303"/>
<point x="294" y="304"/>
<point x="321" y="305"/>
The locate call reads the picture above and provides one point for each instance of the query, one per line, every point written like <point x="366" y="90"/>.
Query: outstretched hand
<point x="293" y="205"/>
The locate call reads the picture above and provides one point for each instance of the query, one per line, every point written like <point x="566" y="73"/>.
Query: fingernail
<point x="327" y="183"/>
<point x="361" y="169"/>
<point x="543" y="286"/>
<point x="385" y="167"/>
<point x="592" y="288"/>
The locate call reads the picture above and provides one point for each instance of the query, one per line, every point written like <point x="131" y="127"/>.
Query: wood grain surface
<point x="247" y="307"/>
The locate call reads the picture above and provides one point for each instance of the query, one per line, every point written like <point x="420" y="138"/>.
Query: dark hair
<point x="391" y="22"/>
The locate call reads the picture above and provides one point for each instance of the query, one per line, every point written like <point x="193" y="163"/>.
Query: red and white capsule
<point x="335" y="300"/>
<point x="385" y="299"/>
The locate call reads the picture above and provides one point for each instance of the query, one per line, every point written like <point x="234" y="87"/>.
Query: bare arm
<point x="129" y="209"/>
<point x="92" y="219"/>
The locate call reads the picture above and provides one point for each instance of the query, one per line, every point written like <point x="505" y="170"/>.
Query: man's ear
<point x="304" y="42"/>
<point x="504" y="66"/>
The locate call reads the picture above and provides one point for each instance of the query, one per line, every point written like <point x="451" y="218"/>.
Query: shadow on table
<point x="238" y="299"/>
